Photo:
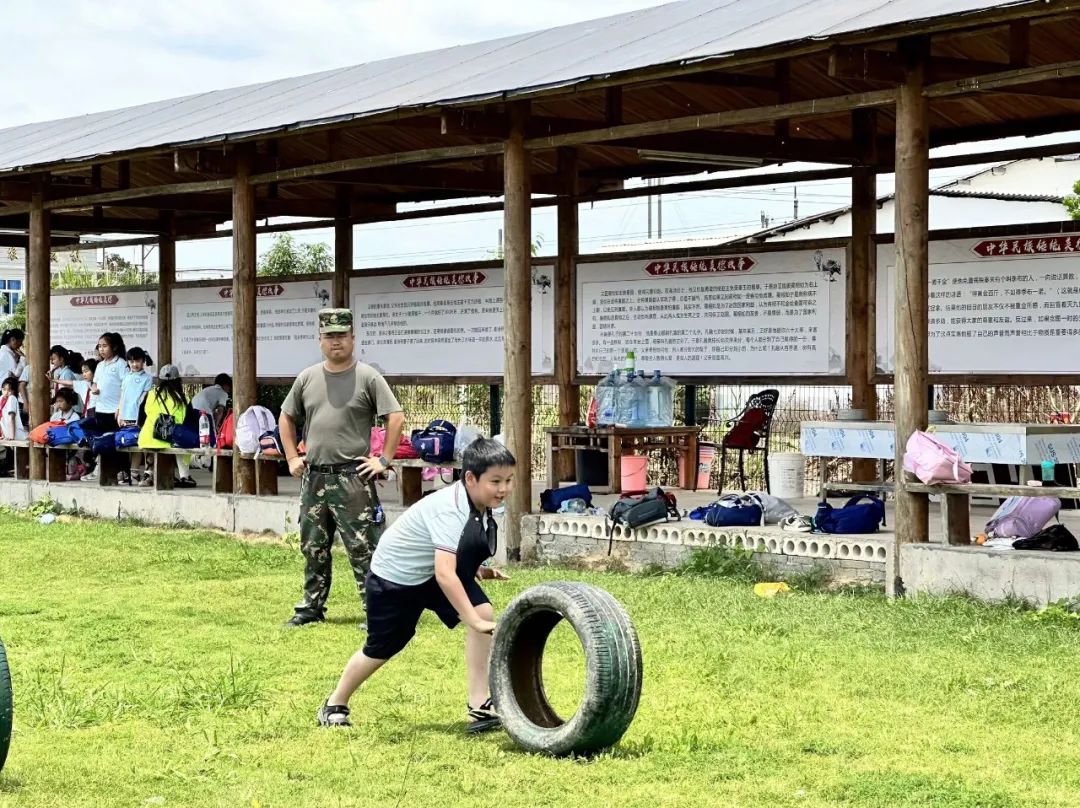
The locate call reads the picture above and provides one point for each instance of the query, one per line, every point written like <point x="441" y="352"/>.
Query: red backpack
<point x="226" y="436"/>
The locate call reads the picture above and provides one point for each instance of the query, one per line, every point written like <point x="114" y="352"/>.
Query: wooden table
<point x="615" y="441"/>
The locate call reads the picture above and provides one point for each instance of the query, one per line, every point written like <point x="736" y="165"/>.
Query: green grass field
<point x="150" y="669"/>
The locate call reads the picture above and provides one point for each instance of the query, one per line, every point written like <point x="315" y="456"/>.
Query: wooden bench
<point x="411" y="476"/>
<point x="956" y="501"/>
<point x="164" y="466"/>
<point x="21" y="450"/>
<point x="877" y="487"/>
<point x="221" y="469"/>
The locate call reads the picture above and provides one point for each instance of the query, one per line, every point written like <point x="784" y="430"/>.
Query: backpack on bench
<point x="634" y="512"/>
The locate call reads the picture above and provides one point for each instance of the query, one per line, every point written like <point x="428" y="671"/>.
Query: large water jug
<point x="639" y="415"/>
<point x="605" y="400"/>
<point x="660" y="396"/>
<point x="625" y="404"/>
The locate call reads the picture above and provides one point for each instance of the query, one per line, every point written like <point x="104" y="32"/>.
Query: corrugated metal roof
<point x="680" y="32"/>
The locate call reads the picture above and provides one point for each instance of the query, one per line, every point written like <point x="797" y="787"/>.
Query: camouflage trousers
<point x="329" y="504"/>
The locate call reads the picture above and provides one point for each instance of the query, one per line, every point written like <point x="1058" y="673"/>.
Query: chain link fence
<point x="715" y="406"/>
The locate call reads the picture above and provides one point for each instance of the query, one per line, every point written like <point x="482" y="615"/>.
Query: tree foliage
<point x="1072" y="201"/>
<point x="118" y="271"/>
<point x="286" y="257"/>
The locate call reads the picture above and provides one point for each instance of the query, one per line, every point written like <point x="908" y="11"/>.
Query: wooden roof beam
<point x="739" y="81"/>
<point x="87" y="224"/>
<point x="991" y="131"/>
<point x="613" y="106"/>
<point x="1003" y="79"/>
<point x="195" y="203"/>
<point x="1020" y="43"/>
<point x="808" y="108"/>
<point x="474" y="123"/>
<point x="443" y="179"/>
<point x="872" y="64"/>
<point x="767" y="147"/>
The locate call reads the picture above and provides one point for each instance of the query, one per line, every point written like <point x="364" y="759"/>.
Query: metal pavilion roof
<point x="677" y="33"/>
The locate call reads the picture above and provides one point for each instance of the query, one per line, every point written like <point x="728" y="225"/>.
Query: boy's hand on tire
<point x="483" y="627"/>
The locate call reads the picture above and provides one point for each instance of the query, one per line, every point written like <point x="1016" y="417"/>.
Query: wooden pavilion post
<point x="912" y="292"/>
<point x="244" y="311"/>
<point x="566" y="304"/>
<point x="37" y="319"/>
<point x="517" y="324"/>
<point x="343" y="248"/>
<point x="862" y="283"/>
<point x="166" y="280"/>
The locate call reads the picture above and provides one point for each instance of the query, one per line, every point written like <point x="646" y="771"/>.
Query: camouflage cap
<point x="335" y="321"/>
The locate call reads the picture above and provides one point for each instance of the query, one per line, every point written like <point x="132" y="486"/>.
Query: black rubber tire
<point x="7" y="706"/>
<point x="612" y="669"/>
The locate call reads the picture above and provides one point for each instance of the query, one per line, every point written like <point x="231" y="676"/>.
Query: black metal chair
<point x="749" y="432"/>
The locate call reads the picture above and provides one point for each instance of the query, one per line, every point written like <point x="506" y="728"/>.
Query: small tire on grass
<point x="612" y="669"/>
<point x="7" y="706"/>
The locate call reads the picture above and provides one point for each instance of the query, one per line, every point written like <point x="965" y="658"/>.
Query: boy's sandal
<point x="482" y="718"/>
<point x="333" y="715"/>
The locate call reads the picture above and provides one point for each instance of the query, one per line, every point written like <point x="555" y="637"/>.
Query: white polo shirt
<point x="405" y="554"/>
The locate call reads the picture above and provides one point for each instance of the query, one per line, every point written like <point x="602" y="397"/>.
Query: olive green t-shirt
<point x="338" y="410"/>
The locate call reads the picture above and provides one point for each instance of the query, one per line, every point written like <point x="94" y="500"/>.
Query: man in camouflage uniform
<point x="337" y="400"/>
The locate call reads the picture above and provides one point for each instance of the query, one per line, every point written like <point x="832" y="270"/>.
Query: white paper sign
<point x="287" y="333"/>
<point x="1004" y="305"/>
<point x="744" y="315"/>
<point x="77" y="320"/>
<point x="446" y="323"/>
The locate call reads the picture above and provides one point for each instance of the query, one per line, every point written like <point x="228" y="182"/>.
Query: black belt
<point x="349" y="467"/>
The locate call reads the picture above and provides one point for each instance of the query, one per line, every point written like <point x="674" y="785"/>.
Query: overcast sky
<point x="68" y="57"/>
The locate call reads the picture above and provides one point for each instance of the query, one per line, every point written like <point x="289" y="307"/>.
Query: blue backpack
<point x="856" y="516"/>
<point x="127" y="437"/>
<point x="184" y="437"/>
<point x="435" y="442"/>
<point x="67" y="435"/>
<point x="730" y="511"/>
<point x="552" y="498"/>
<point x="102" y="444"/>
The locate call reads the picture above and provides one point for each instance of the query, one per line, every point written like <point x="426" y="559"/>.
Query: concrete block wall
<point x="989" y="574"/>
<point x="565" y="537"/>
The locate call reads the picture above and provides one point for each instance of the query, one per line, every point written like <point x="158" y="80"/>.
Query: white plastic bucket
<point x="787" y="475"/>
<point x="634" y="471"/>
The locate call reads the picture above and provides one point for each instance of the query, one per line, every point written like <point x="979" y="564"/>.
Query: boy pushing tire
<point x="431" y="558"/>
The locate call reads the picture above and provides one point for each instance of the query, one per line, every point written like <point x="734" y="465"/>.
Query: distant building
<point x="1022" y="191"/>
<point x="13" y="273"/>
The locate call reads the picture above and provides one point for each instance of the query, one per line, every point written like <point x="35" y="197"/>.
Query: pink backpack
<point x="933" y="462"/>
<point x="1022" y="517"/>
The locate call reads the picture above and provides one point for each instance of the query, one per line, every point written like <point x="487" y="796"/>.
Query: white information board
<point x="446" y="323"/>
<point x="77" y="320"/>
<point x="287" y="331"/>
<point x="729" y="315"/>
<point x="997" y="305"/>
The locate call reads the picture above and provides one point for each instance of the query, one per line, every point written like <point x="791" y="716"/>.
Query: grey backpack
<point x="773" y="509"/>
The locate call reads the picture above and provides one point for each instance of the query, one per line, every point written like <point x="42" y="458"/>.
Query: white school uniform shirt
<point x="11" y="407"/>
<point x="25" y="378"/>
<point x="69" y="417"/>
<point x="10" y="364"/>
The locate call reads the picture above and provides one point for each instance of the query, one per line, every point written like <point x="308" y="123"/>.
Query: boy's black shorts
<point x="393" y="610"/>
